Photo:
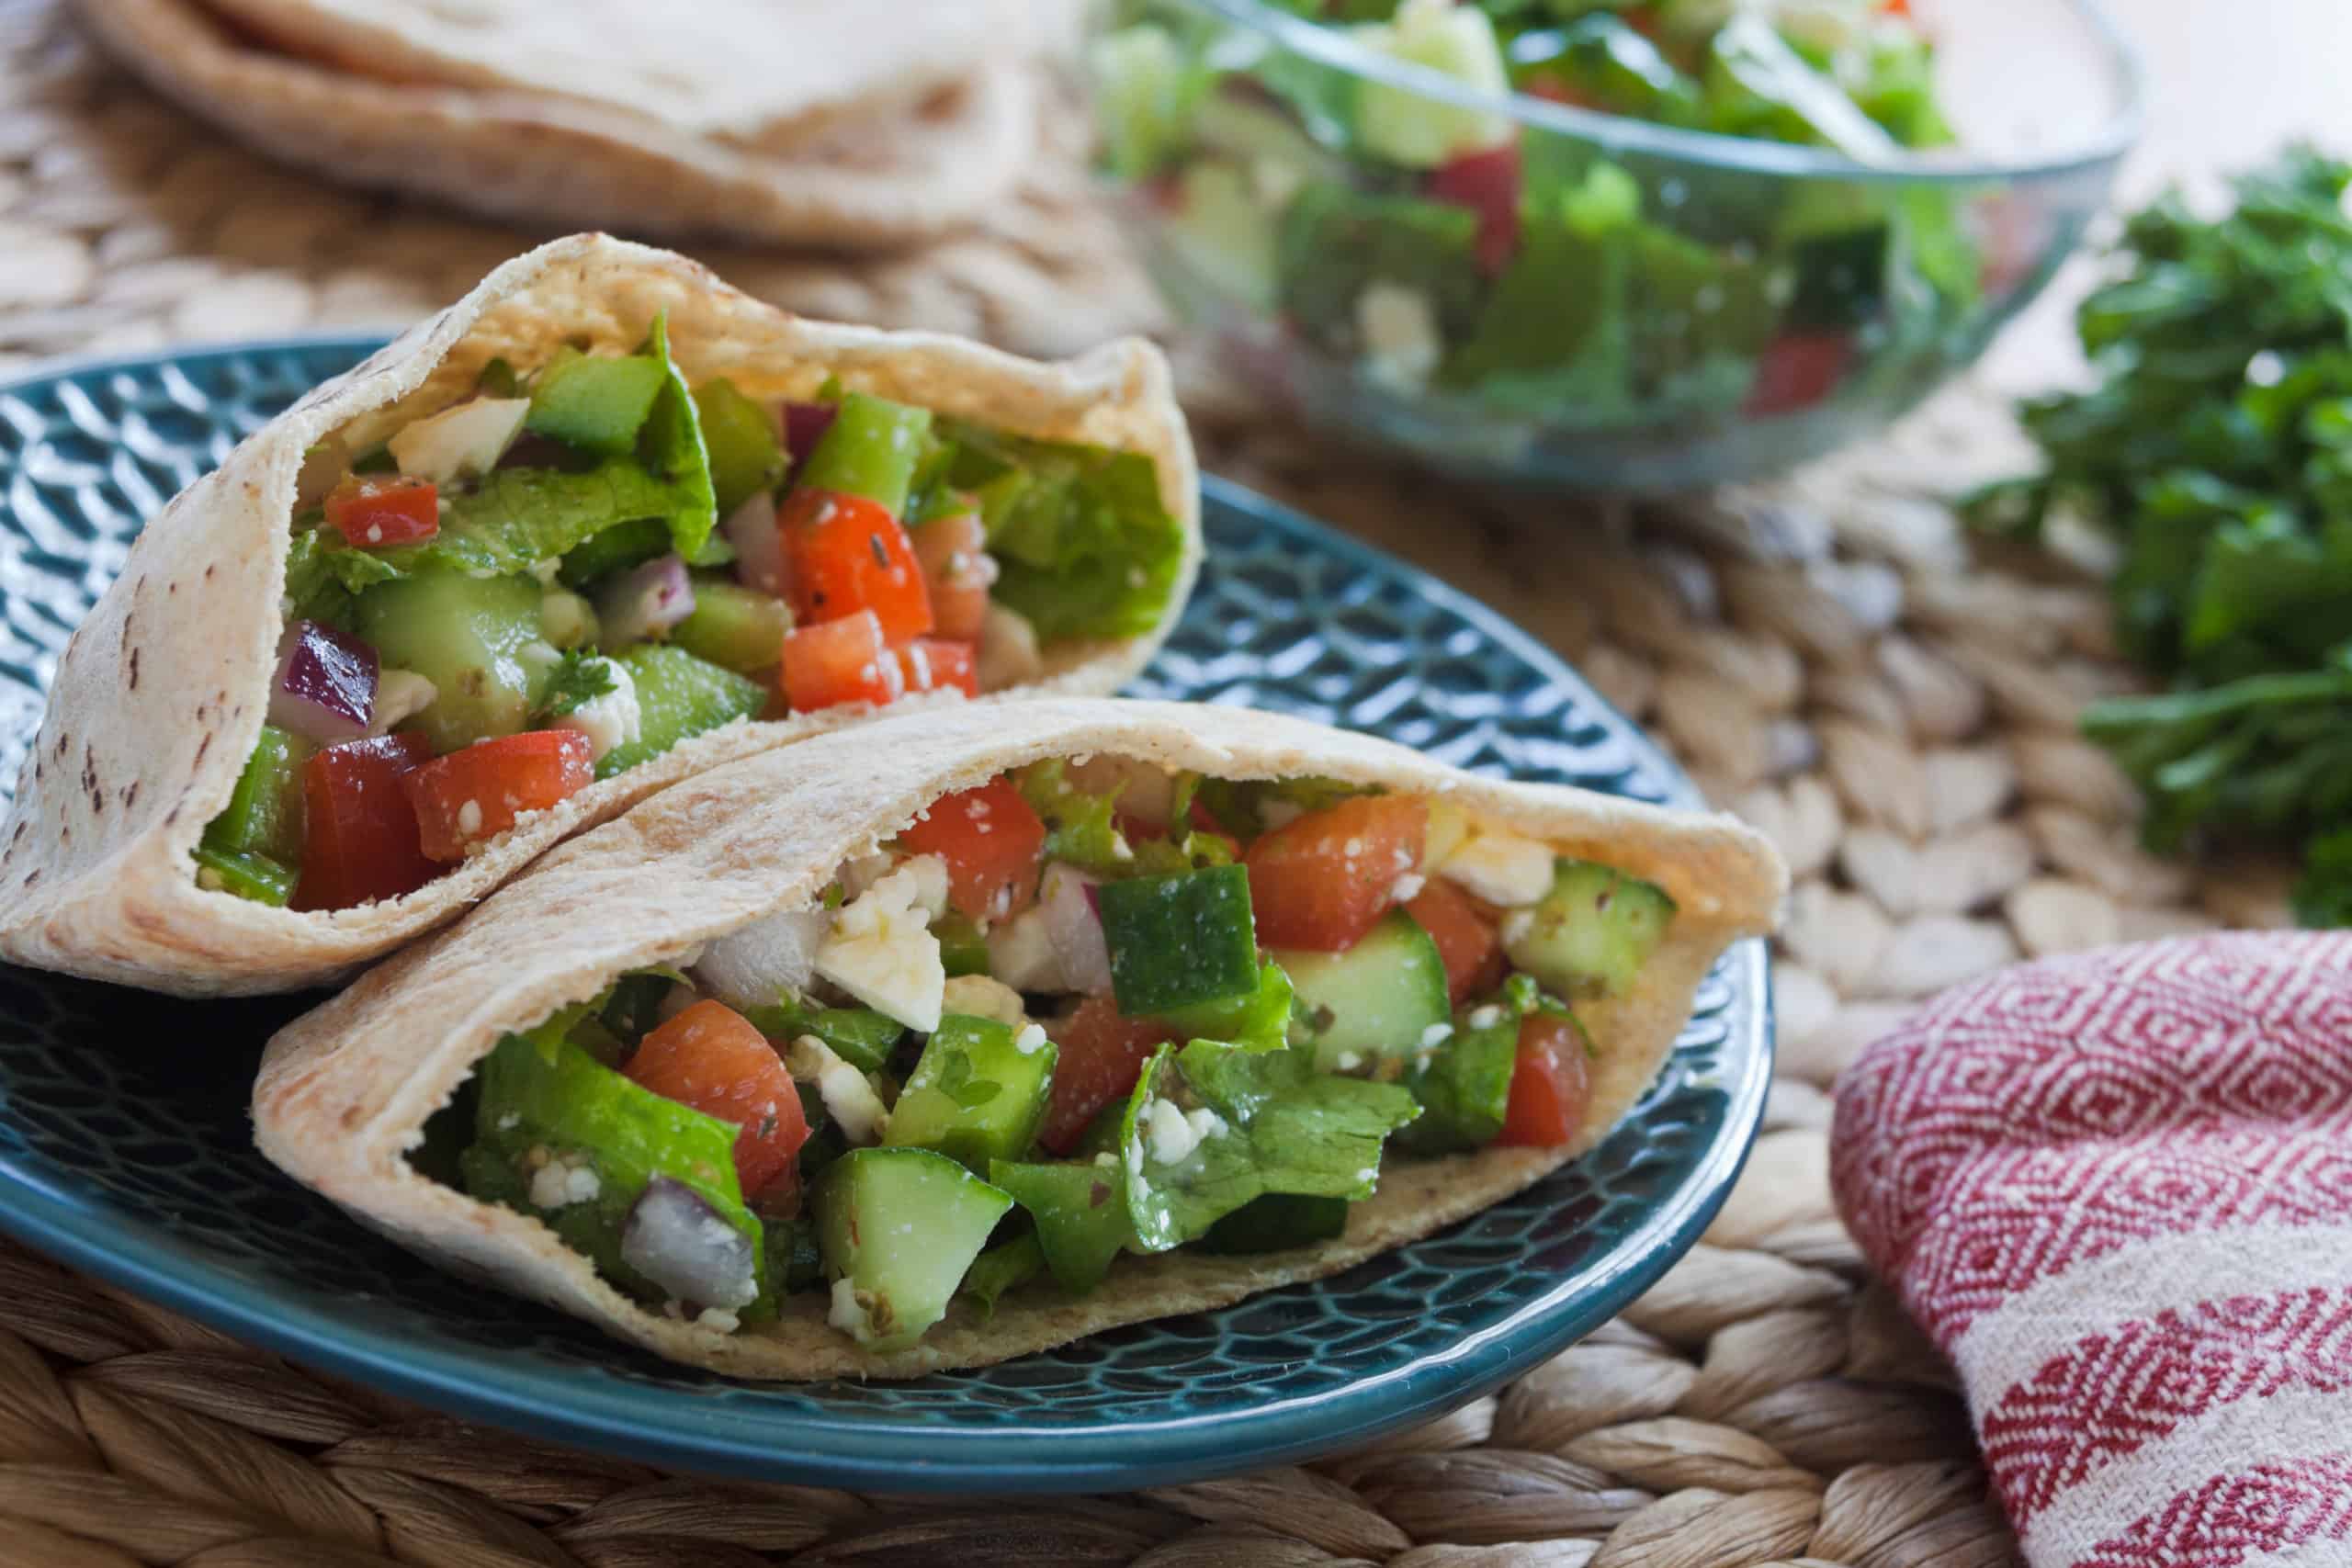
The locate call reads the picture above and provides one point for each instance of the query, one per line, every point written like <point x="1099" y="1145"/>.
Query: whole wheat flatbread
<point x="880" y="172"/>
<point x="163" y="688"/>
<point x="345" y="1091"/>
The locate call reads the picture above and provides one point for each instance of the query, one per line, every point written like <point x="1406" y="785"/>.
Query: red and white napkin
<point x="2117" y="1190"/>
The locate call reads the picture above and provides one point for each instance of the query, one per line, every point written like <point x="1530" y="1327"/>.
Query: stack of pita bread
<point x="805" y="122"/>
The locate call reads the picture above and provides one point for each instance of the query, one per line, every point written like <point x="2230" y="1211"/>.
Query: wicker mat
<point x="1830" y="656"/>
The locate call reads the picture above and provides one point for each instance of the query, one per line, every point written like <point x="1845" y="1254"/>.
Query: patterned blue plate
<point x="124" y="1147"/>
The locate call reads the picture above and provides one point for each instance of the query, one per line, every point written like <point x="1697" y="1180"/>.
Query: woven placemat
<point x="1830" y="654"/>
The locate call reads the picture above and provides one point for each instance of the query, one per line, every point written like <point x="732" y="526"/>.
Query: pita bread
<point x="882" y="172"/>
<point x="345" y="1091"/>
<point x="162" y="691"/>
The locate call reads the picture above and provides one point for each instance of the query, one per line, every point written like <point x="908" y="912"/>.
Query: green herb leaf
<point x="578" y="677"/>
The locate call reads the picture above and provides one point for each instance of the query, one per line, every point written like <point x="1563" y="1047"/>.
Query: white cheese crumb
<point x="1408" y="888"/>
<point x="467" y="439"/>
<point x="1170" y="1135"/>
<point x="1486" y="1017"/>
<point x="399" y="695"/>
<point x="615" y="718"/>
<point x="1502" y="868"/>
<point x="470" y="819"/>
<point x="1108" y="1159"/>
<point x="1516" y="925"/>
<point x="563" y="1180"/>
<point x="719" y="1318"/>
<point x="849" y="1313"/>
<point x="1435" y="1035"/>
<point x="509" y="1122"/>
<point x="1398" y="330"/>
<point x="1030" y="1041"/>
<point x="979" y="995"/>
<point x="848" y="1094"/>
<point x="880" y="948"/>
<point x="1348" y="1060"/>
<point x="1205" y="1123"/>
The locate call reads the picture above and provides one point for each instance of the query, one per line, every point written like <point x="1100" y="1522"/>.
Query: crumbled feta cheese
<point x="509" y="1122"/>
<point x="614" y="719"/>
<point x="848" y="1094"/>
<point x="1348" y="1060"/>
<point x="470" y="819"/>
<point x="1408" y="888"/>
<point x="1502" y="868"/>
<point x="1030" y="1041"/>
<point x="1134" y="1159"/>
<point x="1398" y="330"/>
<point x="1056" y="945"/>
<point x="978" y="996"/>
<point x="467" y="439"/>
<point x="849" y="1313"/>
<point x="1435" y="1035"/>
<point x="880" y="948"/>
<point x="1486" y="1017"/>
<point x="399" y="695"/>
<point x="564" y="1179"/>
<point x="929" y="872"/>
<point x="1171" y="1136"/>
<point x="1516" y="925"/>
<point x="1205" y="1123"/>
<point x="719" y="1318"/>
<point x="1107" y="1160"/>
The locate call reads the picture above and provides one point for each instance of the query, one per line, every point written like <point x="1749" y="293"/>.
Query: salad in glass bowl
<point x="1586" y="242"/>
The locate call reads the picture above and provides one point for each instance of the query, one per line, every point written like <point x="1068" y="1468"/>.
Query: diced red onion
<point x="1058" y="945"/>
<point x="759" y="549"/>
<point x="685" y="1246"/>
<point x="325" y="686"/>
<point x="752" y="966"/>
<point x="804" y="426"/>
<point x="644" y="600"/>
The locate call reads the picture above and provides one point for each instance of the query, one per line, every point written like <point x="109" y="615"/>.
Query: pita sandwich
<point x="789" y="121"/>
<point x="172" y="690"/>
<point x="436" y="1076"/>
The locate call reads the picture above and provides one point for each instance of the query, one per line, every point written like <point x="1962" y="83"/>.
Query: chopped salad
<point x="578" y="566"/>
<point x="1085" y="1009"/>
<point x="1437" y="248"/>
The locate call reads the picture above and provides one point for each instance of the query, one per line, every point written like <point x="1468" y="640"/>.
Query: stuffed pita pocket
<point x="974" y="1031"/>
<point x="602" y="523"/>
<point x="798" y="122"/>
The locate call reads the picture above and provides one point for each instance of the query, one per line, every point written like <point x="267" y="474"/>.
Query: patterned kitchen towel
<point x="2117" y="1190"/>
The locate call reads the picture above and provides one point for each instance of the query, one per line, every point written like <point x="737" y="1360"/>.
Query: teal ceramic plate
<point x="125" y="1151"/>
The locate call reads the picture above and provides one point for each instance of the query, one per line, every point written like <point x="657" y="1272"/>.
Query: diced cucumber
<point x="1080" y="1212"/>
<point x="595" y="403"/>
<point x="1276" y="1221"/>
<point x="746" y="450"/>
<point x="1375" y="999"/>
<point x="678" y="696"/>
<point x="898" y="1228"/>
<point x="1463" y="1084"/>
<point x="1006" y="1266"/>
<point x="976" y="1095"/>
<point x="264" y="815"/>
<point x="869" y="450"/>
<point x="963" y="947"/>
<point x="859" y="1036"/>
<point x="246" y="873"/>
<point x="474" y="637"/>
<point x="1259" y="1017"/>
<point x="1226" y="237"/>
<point x="1591" y="932"/>
<point x="733" y="626"/>
<point x="1179" y="940"/>
<point x="1405" y="125"/>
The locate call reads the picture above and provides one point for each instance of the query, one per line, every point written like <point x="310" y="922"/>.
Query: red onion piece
<point x="1056" y="945"/>
<point x="644" y="600"/>
<point x="325" y="686"/>
<point x="752" y="966"/>
<point x="759" y="549"/>
<point x="804" y="426"/>
<point x="682" y="1243"/>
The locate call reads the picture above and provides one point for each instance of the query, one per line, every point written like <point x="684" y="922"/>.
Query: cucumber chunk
<point x="869" y="450"/>
<point x="678" y="696"/>
<point x="1005" y="1266"/>
<point x="976" y="1096"/>
<point x="1276" y="1221"/>
<point x="1082" y="1215"/>
<point x="246" y="873"/>
<point x="733" y="626"/>
<point x="596" y="403"/>
<point x="1179" y="940"/>
<point x="1591" y="932"/>
<point x="1378" y="998"/>
<point x="898" y="1228"/>
<point x="746" y="448"/>
<point x="476" y="639"/>
<point x="1224" y="235"/>
<point x="859" y="1036"/>
<point x="264" y="816"/>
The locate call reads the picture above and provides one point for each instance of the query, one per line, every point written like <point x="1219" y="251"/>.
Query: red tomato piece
<point x="477" y="792"/>
<point x="709" y="1057"/>
<point x="1323" y="880"/>
<point x="957" y="571"/>
<point x="1102" y="1054"/>
<point x="840" y="662"/>
<point x="1468" y="944"/>
<point x="843" y="554"/>
<point x="1488" y="183"/>
<point x="935" y="664"/>
<point x="994" y="845"/>
<point x="359" y="838"/>
<point x="1798" y="370"/>
<point x="376" y="510"/>
<point x="1549" y="1085"/>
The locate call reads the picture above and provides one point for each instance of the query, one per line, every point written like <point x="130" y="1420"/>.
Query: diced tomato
<point x="1798" y="370"/>
<point x="956" y="571"/>
<point x="359" y="839"/>
<point x="993" y="843"/>
<point x="1468" y="944"/>
<point x="1102" y="1054"/>
<point x="935" y="664"/>
<point x="845" y="660"/>
<point x="1488" y="183"/>
<point x="711" y="1058"/>
<point x="1549" y="1085"/>
<point x="477" y="792"/>
<point x="843" y="554"/>
<point x="376" y="511"/>
<point x="1323" y="880"/>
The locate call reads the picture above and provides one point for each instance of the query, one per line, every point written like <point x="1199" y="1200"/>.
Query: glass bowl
<point x="1591" y="301"/>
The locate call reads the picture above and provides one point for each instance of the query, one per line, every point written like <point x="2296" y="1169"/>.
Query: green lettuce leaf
<point x="673" y="447"/>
